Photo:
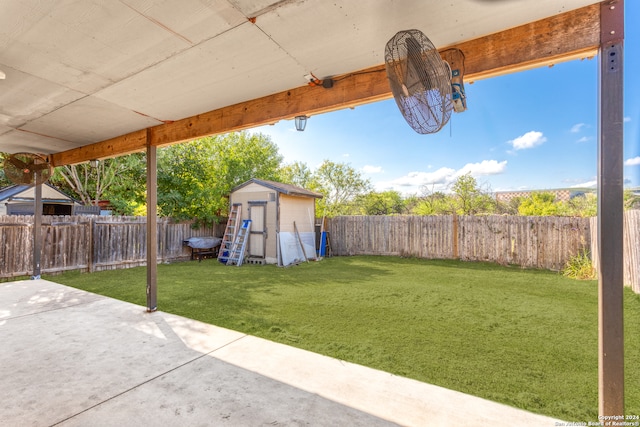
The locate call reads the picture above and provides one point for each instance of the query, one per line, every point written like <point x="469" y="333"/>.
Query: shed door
<point x="258" y="234"/>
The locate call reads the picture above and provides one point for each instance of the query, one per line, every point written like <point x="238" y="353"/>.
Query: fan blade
<point x="416" y="72"/>
<point x="38" y="167"/>
<point x="19" y="164"/>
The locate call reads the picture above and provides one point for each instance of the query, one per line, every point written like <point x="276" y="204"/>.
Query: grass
<point x="526" y="338"/>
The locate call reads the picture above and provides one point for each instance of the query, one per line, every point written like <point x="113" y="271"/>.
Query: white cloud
<point x="584" y="139"/>
<point x="627" y="119"/>
<point x="633" y="161"/>
<point x="345" y="155"/>
<point x="588" y="184"/>
<point x="485" y="167"/>
<point x="440" y="179"/>
<point x="371" y="169"/>
<point x="441" y="176"/>
<point x="577" y="127"/>
<point x="528" y="140"/>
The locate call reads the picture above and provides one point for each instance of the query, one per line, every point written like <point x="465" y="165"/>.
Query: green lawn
<point x="526" y="338"/>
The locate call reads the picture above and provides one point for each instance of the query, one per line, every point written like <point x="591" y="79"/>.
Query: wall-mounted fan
<point x="27" y="169"/>
<point x="421" y="81"/>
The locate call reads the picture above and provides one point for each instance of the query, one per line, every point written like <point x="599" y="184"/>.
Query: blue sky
<point x="529" y="130"/>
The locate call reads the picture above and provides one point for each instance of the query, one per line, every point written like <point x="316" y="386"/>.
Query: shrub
<point x="579" y="267"/>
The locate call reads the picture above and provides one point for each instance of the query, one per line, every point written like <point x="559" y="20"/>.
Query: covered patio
<point x="72" y="358"/>
<point x="91" y="80"/>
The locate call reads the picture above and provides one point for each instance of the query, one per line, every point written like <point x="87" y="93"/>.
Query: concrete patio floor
<point x="72" y="358"/>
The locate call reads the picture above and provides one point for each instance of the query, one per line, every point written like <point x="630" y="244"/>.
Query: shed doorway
<point x="258" y="233"/>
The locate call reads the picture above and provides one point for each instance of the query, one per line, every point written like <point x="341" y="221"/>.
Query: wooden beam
<point x="571" y="35"/>
<point x="118" y="146"/>
<point x="564" y="37"/>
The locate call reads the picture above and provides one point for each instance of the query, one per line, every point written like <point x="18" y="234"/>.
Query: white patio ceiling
<point x="81" y="72"/>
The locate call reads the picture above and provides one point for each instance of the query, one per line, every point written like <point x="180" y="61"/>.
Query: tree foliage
<point x="117" y="178"/>
<point x="434" y="203"/>
<point x="127" y="196"/>
<point x="466" y="197"/>
<point x="469" y="198"/>
<point x="297" y="173"/>
<point x="388" y="202"/>
<point x="195" y="178"/>
<point x="583" y="205"/>
<point x="340" y="184"/>
<point x="539" y="204"/>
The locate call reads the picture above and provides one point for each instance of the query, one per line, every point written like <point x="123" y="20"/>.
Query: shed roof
<point x="288" y="189"/>
<point x="50" y="194"/>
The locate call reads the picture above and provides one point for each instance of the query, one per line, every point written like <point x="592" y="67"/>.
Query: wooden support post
<point x="91" y="232"/>
<point x="152" y="228"/>
<point x="37" y="229"/>
<point x="610" y="211"/>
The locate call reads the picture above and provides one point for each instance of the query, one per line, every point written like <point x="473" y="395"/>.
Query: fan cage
<point x="27" y="169"/>
<point x="420" y="81"/>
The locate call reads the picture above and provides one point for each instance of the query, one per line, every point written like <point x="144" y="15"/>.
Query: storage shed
<point x="276" y="211"/>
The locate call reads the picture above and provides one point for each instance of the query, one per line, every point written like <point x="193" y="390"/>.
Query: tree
<point x="296" y="173"/>
<point x="195" y="178"/>
<point x="434" y="203"/>
<point x="91" y="184"/>
<point x="380" y="203"/>
<point x="240" y="156"/>
<point x="340" y="184"/>
<point x="128" y="194"/>
<point x="470" y="198"/>
<point x="583" y="205"/>
<point x="538" y="204"/>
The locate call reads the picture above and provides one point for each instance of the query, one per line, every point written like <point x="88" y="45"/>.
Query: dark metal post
<point x="152" y="229"/>
<point x="610" y="211"/>
<point x="37" y="228"/>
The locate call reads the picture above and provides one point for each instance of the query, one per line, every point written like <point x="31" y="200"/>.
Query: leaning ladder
<point x="230" y="233"/>
<point x="240" y="244"/>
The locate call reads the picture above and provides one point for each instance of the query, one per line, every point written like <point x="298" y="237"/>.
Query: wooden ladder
<point x="230" y="233"/>
<point x="239" y="246"/>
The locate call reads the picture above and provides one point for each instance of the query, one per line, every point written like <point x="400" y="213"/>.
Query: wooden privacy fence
<point x="90" y="243"/>
<point x="531" y="242"/>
